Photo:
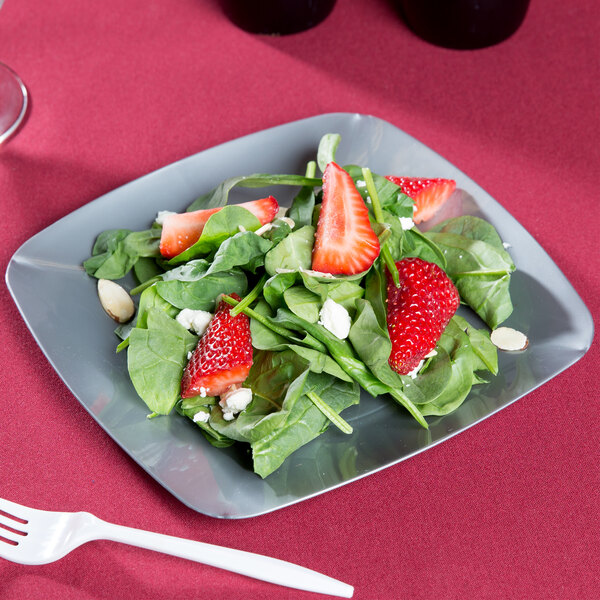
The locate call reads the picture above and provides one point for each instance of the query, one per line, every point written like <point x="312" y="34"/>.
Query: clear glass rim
<point x="19" y="119"/>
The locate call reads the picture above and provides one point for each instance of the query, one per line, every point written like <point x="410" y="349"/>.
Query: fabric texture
<point x="508" y="508"/>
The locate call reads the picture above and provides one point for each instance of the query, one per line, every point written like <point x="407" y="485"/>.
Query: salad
<point x="263" y="324"/>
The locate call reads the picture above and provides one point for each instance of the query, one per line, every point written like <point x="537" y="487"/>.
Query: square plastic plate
<point x="77" y="336"/>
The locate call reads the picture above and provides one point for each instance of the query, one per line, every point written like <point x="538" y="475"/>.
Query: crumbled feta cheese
<point x="162" y="215"/>
<point x="335" y="318"/>
<point x="406" y="223"/>
<point x="361" y="183"/>
<point x="506" y="245"/>
<point x="234" y="400"/>
<point x="201" y="417"/>
<point x="202" y="392"/>
<point x="189" y="355"/>
<point x="194" y="320"/>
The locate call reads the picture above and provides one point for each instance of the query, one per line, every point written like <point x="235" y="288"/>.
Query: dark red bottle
<point x="277" y="16"/>
<point x="464" y="24"/>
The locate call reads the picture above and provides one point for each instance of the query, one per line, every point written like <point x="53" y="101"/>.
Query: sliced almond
<point x="115" y="300"/>
<point x="509" y="339"/>
<point x="289" y="221"/>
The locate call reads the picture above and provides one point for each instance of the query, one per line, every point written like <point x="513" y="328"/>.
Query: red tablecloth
<point x="507" y="509"/>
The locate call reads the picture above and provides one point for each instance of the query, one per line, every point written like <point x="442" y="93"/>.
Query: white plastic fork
<point x="35" y="537"/>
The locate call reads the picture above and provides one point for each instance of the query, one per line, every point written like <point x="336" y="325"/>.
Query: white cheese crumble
<point x="194" y="320"/>
<point x="234" y="400"/>
<point x="335" y="318"/>
<point x="162" y="215"/>
<point x="406" y="223"/>
<point x="506" y="245"/>
<point x="201" y="417"/>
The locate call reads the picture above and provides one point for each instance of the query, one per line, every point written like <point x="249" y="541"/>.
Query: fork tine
<point x="8" y="523"/>
<point x="11" y="536"/>
<point x="17" y="512"/>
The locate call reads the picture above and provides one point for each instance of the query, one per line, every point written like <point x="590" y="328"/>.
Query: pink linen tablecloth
<point x="507" y="509"/>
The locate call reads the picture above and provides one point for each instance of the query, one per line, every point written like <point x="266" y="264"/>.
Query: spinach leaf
<point x="190" y="410"/>
<point x="293" y="252"/>
<point x="190" y="271"/>
<point x="446" y="380"/>
<point x="303" y="205"/>
<point x="156" y="358"/>
<point x="276" y="285"/>
<point x="200" y="294"/>
<point x="146" y="269"/>
<point x="372" y="344"/>
<point x="478" y="265"/>
<point x="342" y="291"/>
<point x="376" y="292"/>
<point x="304" y="422"/>
<point x="219" y="196"/>
<point x="220" y="226"/>
<point x="117" y="250"/>
<point x="327" y="149"/>
<point x="150" y="299"/>
<point x="281" y="418"/>
<point x="303" y="303"/>
<point x="245" y="250"/>
<point x="264" y="338"/>
<point x="277" y="232"/>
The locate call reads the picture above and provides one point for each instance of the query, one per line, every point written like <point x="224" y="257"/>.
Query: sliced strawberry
<point x="417" y="311"/>
<point x="428" y="194"/>
<point x="180" y="231"/>
<point x="345" y="243"/>
<point x="223" y="356"/>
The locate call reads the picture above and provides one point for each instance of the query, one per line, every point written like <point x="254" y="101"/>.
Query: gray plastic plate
<point x="77" y="336"/>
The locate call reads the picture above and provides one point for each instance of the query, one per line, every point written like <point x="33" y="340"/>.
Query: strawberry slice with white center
<point x="428" y="194"/>
<point x="180" y="231"/>
<point x="223" y="356"/>
<point x="345" y="243"/>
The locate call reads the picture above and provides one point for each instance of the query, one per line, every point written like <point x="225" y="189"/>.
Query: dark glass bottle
<point x="277" y="16"/>
<point x="464" y="24"/>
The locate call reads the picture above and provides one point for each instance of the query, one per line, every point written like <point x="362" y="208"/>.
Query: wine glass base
<point x="13" y="102"/>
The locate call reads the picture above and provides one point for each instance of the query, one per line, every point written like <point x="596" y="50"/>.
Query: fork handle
<point x="253" y="565"/>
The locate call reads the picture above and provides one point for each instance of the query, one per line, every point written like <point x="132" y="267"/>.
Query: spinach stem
<point x="409" y="406"/>
<point x="311" y="168"/>
<point x="340" y="423"/>
<point x="378" y="213"/>
<point x="140" y="288"/>
<point x="282" y="331"/>
<point x="250" y="297"/>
